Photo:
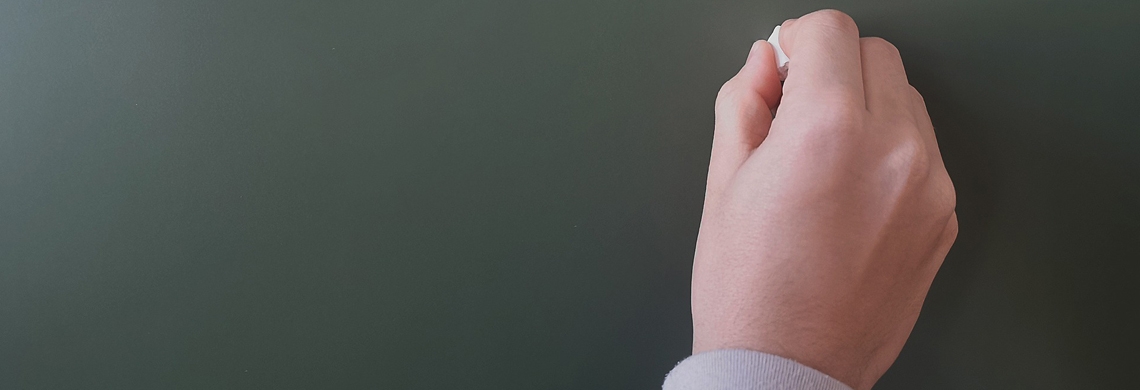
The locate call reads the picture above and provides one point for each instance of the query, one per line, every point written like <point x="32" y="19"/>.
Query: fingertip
<point x="786" y="30"/>
<point x="835" y="19"/>
<point x="823" y="52"/>
<point x="759" y="51"/>
<point x="762" y="72"/>
<point x="832" y="18"/>
<point x="753" y="52"/>
<point x="743" y="111"/>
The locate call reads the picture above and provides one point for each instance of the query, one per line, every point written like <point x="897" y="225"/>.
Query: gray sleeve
<point x="740" y="369"/>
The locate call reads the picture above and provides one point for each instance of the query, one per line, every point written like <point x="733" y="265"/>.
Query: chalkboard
<point x="505" y="194"/>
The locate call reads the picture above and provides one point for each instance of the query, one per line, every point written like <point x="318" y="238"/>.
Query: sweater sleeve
<point x="740" y="369"/>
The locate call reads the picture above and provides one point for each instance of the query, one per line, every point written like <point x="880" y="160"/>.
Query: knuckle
<point x="952" y="228"/>
<point x="947" y="198"/>
<point x="834" y="19"/>
<point x="940" y="197"/>
<point x="911" y="160"/>
<point x="828" y="130"/>
<point x="736" y="99"/>
<point x="726" y="88"/>
<point x="881" y="47"/>
<point x="910" y="167"/>
<point x="913" y="163"/>
<point x="839" y="111"/>
<point x="727" y="93"/>
<point x="917" y="96"/>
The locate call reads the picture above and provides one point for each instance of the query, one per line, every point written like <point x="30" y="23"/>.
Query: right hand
<point x="824" y="225"/>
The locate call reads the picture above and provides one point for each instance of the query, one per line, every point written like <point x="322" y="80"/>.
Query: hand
<point x="824" y="226"/>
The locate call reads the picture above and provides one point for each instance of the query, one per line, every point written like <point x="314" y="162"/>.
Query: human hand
<point x="824" y="226"/>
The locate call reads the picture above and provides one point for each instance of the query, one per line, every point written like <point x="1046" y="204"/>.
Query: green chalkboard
<point x="423" y="194"/>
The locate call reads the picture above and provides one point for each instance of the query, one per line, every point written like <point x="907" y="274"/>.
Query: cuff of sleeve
<point x="739" y="369"/>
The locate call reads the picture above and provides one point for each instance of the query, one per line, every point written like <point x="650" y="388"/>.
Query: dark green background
<point x="505" y="194"/>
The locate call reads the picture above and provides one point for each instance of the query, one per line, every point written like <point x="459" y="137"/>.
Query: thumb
<point x="743" y="114"/>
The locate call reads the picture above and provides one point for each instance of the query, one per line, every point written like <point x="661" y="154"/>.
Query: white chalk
<point x="781" y="58"/>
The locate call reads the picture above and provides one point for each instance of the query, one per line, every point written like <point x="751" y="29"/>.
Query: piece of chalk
<point x="781" y="58"/>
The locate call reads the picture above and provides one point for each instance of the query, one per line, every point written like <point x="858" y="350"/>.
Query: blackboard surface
<point x="505" y="194"/>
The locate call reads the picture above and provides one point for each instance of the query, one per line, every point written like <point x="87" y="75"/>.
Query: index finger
<point x="824" y="61"/>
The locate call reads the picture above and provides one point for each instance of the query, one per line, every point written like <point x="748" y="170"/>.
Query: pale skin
<point x="824" y="224"/>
